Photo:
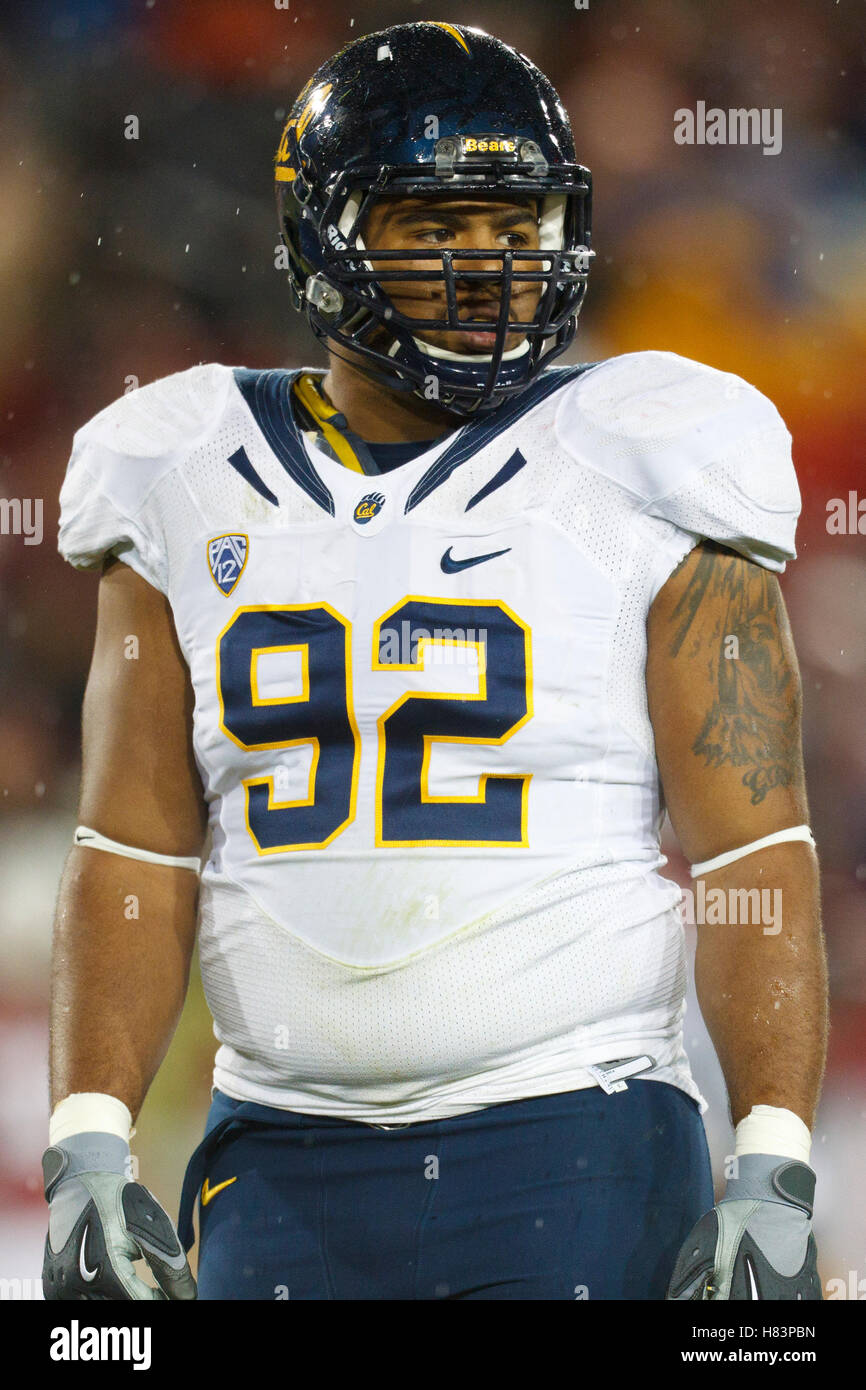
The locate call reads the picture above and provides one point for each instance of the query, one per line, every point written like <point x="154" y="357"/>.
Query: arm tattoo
<point x="730" y="618"/>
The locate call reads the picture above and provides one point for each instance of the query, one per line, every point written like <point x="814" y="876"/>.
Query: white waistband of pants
<point x="611" y="1078"/>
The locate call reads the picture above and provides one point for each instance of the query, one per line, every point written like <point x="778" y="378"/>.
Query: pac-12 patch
<point x="227" y="556"/>
<point x="368" y="507"/>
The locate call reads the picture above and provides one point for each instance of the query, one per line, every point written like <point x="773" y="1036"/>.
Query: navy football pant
<point x="568" y="1196"/>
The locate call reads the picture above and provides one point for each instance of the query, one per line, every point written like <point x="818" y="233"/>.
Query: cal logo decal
<point x="368" y="507"/>
<point x="285" y="171"/>
<point x="227" y="556"/>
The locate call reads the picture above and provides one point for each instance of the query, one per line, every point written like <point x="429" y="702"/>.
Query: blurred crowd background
<point x="137" y="258"/>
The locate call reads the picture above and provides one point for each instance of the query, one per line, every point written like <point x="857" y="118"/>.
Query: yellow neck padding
<point x="323" y="413"/>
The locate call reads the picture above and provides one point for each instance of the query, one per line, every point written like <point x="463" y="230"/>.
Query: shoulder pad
<point x="163" y="417"/>
<point x="118" y="458"/>
<point x="691" y="445"/>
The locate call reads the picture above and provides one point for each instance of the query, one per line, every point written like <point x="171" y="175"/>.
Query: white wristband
<point x="769" y="1129"/>
<point x="86" y="1112"/>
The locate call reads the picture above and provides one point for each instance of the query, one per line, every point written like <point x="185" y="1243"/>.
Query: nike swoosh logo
<point x="208" y="1193"/>
<point x="88" y="1275"/>
<point x="753" y="1288"/>
<point x="450" y="566"/>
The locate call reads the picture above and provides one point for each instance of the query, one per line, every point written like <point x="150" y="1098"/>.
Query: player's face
<point x="470" y="222"/>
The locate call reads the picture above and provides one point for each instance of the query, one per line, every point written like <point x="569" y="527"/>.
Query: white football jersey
<point x="421" y="719"/>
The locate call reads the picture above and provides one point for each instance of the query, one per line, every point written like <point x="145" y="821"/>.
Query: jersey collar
<point x="269" y="396"/>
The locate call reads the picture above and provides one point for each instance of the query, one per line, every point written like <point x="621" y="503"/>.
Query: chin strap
<point x="473" y="358"/>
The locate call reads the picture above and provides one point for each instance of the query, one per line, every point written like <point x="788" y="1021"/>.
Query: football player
<point x="428" y="642"/>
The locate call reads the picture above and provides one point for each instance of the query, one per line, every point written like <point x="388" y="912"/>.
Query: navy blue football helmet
<point x="430" y="109"/>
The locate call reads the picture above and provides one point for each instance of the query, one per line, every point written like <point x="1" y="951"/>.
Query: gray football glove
<point x="99" y="1222"/>
<point x="757" y="1242"/>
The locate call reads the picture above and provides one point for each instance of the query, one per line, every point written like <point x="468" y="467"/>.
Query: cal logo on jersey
<point x="227" y="556"/>
<point x="368" y="507"/>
